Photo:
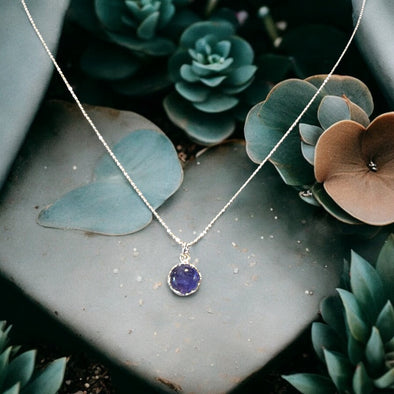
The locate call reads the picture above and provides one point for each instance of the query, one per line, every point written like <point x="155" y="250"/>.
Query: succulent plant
<point x="356" y="341"/>
<point x="211" y="69"/>
<point x="17" y="369"/>
<point x="344" y="101"/>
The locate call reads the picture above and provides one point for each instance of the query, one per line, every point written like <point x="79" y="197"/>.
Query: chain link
<point x="186" y="245"/>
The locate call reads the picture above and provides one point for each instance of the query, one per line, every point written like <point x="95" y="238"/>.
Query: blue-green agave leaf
<point x="355" y="90"/>
<point x="49" y="380"/>
<point x="374" y="352"/>
<point x="366" y="286"/>
<point x="385" y="266"/>
<point x="355" y="350"/>
<point x="203" y="128"/>
<point x="386" y="380"/>
<point x="339" y="369"/>
<point x="325" y="337"/>
<point x="331" y="310"/>
<point x="362" y="383"/>
<point x="109" y="205"/>
<point x="308" y="383"/>
<point x="310" y="133"/>
<point x="15" y="389"/>
<point x="385" y="322"/>
<point x="21" y="369"/>
<point x="332" y="109"/>
<point x="354" y="315"/>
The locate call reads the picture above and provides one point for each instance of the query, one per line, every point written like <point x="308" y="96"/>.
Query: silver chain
<point x="186" y="245"/>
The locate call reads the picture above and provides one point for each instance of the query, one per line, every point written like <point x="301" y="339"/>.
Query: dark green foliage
<point x="356" y="340"/>
<point x="17" y="373"/>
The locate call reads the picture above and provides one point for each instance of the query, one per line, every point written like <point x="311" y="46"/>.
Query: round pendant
<point x="184" y="279"/>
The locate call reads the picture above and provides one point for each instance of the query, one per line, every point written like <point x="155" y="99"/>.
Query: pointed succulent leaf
<point x="324" y="337"/>
<point x="339" y="369"/>
<point x="385" y="322"/>
<point x="374" y="352"/>
<point x="204" y="128"/>
<point x="339" y="85"/>
<point x="310" y="133"/>
<point x="385" y="266"/>
<point x="216" y="103"/>
<point x="362" y="383"/>
<point x="4" y="335"/>
<point x="355" y="350"/>
<point x="15" y="389"/>
<point x="4" y="360"/>
<point x="307" y="383"/>
<point x="386" y="380"/>
<point x="354" y="315"/>
<point x="21" y="369"/>
<point x="48" y="380"/>
<point x="390" y="345"/>
<point x="331" y="206"/>
<point x="213" y="81"/>
<point x="366" y="286"/>
<point x="308" y="151"/>
<point x="331" y="310"/>
<point x="241" y="75"/>
<point x="332" y="109"/>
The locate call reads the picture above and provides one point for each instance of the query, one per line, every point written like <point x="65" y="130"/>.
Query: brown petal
<point x="338" y="150"/>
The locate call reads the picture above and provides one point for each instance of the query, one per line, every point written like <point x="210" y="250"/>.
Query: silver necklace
<point x="184" y="278"/>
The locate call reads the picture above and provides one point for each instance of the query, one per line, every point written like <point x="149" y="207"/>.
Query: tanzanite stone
<point x="184" y="279"/>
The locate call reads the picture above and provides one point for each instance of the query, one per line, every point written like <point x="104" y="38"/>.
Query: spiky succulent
<point x="17" y="373"/>
<point x="356" y="342"/>
<point x="211" y="68"/>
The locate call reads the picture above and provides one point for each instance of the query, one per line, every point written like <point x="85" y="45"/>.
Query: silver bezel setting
<point x="175" y="291"/>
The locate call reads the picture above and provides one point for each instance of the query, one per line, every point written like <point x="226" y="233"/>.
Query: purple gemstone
<point x="184" y="279"/>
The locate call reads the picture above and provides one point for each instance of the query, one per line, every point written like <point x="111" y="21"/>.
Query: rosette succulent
<point x="356" y="341"/>
<point x="211" y="69"/>
<point x="314" y="171"/>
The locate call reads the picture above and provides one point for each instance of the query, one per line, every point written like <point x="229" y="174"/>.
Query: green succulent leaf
<point x="4" y="335"/>
<point x="204" y="128"/>
<point x="310" y="133"/>
<point x="362" y="383"/>
<point x="355" y="90"/>
<point x="308" y="383"/>
<point x="110" y="13"/>
<point x="366" y="286"/>
<point x="332" y="109"/>
<point x="385" y="266"/>
<point x="374" y="352"/>
<point x="21" y="369"/>
<point x="4" y="360"/>
<point x="194" y="93"/>
<point x="385" y="322"/>
<point x="15" y="389"/>
<point x="217" y="103"/>
<point x="331" y="310"/>
<point x="325" y="337"/>
<point x="109" y="62"/>
<point x="49" y="380"/>
<point x="354" y="315"/>
<point x="147" y="28"/>
<point x="109" y="205"/>
<point x="386" y="380"/>
<point x="308" y="151"/>
<point x="339" y="369"/>
<point x="355" y="350"/>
